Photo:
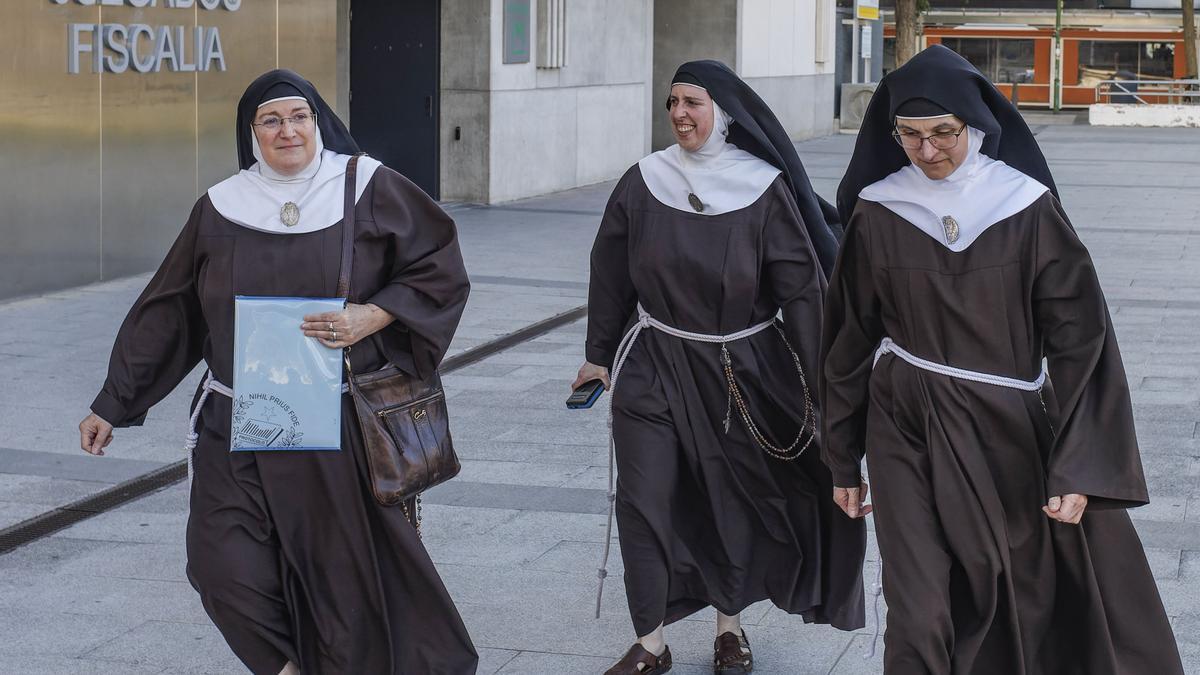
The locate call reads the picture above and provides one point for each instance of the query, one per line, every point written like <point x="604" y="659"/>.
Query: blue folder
<point x="287" y="387"/>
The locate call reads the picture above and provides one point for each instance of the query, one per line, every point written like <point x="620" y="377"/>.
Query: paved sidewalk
<point x="518" y="534"/>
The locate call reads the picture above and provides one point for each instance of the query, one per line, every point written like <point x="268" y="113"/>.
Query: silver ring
<point x="330" y="326"/>
<point x="334" y="335"/>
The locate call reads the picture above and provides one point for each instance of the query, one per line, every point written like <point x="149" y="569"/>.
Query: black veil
<point x="756" y="130"/>
<point x="947" y="79"/>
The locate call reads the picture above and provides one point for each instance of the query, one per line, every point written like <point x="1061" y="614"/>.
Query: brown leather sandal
<point x="638" y="656"/>
<point x="731" y="654"/>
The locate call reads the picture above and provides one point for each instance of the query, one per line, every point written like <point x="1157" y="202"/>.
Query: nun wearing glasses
<point x="1000" y="493"/>
<point x="721" y="497"/>
<point x="294" y="560"/>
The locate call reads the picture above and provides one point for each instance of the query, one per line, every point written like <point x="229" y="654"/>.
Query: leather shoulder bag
<point x="404" y="421"/>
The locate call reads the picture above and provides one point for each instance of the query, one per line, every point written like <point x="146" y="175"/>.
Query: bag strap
<point x="343" y="287"/>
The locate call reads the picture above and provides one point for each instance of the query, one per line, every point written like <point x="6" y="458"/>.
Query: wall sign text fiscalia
<point x="142" y="48"/>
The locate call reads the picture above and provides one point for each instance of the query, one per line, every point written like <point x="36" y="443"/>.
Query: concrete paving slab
<point x="129" y="526"/>
<point x="855" y="660"/>
<point x="492" y="661"/>
<point x="42" y="632"/>
<point x="573" y="556"/>
<point x="1163" y="508"/>
<point x="75" y="467"/>
<point x="528" y="497"/>
<point x="43" y="490"/>
<point x="526" y="473"/>
<point x="1164" y="562"/>
<point x="448" y="522"/>
<point x="484" y="550"/>
<point x="129" y="561"/>
<point x="589" y="455"/>
<point x="101" y="595"/>
<point x="12" y="513"/>
<point x="50" y="665"/>
<point x="189" y="648"/>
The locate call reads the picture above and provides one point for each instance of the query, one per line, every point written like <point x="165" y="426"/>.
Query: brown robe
<point x="292" y="556"/>
<point x="977" y="578"/>
<point x="706" y="517"/>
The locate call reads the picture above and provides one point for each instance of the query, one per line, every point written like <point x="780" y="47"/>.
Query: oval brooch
<point x="290" y="214"/>
<point x="950" y="225"/>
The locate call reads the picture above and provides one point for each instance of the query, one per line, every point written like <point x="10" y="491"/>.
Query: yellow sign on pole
<point x="866" y="9"/>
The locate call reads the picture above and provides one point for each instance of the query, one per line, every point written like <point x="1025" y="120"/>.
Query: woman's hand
<point x="1066" y="509"/>
<point x="94" y="434"/>
<point x="851" y="500"/>
<point x="347" y="327"/>
<point x="588" y="372"/>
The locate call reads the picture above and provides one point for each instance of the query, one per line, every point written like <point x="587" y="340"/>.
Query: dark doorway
<point x="394" y="88"/>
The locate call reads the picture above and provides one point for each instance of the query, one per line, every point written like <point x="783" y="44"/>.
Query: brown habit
<point x="978" y="580"/>
<point x="291" y="555"/>
<point x="706" y="517"/>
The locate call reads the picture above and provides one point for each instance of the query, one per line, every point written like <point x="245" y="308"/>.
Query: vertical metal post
<point x="1056" y="71"/>
<point x="868" y="51"/>
<point x="854" y="49"/>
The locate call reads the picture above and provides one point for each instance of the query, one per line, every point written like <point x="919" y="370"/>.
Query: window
<point x="1001" y="60"/>
<point x="1126" y="60"/>
<point x="889" y="54"/>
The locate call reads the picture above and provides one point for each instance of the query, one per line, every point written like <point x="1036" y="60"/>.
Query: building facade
<point x="115" y="115"/>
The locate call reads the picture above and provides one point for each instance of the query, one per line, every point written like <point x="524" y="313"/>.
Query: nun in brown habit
<point x="721" y="499"/>
<point x="295" y="562"/>
<point x="969" y="354"/>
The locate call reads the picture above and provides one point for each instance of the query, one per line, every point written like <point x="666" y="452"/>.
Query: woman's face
<point x="691" y="112"/>
<point x="936" y="163"/>
<point x="290" y="146"/>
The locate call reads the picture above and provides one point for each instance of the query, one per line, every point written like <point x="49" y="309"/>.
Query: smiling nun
<point x="721" y="498"/>
<point x="295" y="562"/>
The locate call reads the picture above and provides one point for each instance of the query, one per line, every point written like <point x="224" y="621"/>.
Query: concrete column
<point x="466" y="99"/>
<point x="771" y="44"/>
<point x="777" y="55"/>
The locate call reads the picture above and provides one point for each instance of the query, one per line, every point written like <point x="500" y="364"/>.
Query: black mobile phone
<point x="585" y="395"/>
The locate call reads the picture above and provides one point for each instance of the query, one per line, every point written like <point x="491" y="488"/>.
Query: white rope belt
<point x="623" y="349"/>
<point x="210" y="385"/>
<point x="887" y="346"/>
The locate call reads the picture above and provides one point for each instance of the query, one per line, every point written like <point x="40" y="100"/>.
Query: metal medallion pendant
<point x="290" y="214"/>
<point x="695" y="202"/>
<point x="950" y="225"/>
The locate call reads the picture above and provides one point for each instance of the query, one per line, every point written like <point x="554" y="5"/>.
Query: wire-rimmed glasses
<point x="943" y="140"/>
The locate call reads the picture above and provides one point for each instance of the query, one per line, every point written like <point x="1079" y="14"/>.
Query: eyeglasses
<point x="945" y="140"/>
<point x="299" y="120"/>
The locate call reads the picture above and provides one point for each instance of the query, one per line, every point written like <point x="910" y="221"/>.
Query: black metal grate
<point x="533" y="330"/>
<point x="110" y="498"/>
<point x="65" y="516"/>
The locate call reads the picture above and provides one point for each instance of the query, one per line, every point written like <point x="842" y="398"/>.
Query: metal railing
<point x="1148" y="92"/>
